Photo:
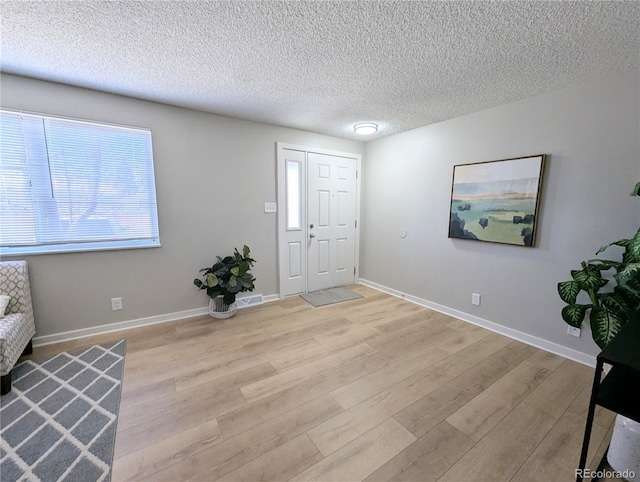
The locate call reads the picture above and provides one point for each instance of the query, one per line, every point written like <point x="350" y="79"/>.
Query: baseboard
<point x="130" y="324"/>
<point x="541" y="343"/>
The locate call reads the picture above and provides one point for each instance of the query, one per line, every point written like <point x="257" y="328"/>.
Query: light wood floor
<point x="373" y="389"/>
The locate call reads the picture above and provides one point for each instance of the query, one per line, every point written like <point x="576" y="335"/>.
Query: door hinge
<point x="354" y="271"/>
<point x="356" y="174"/>
<point x="356" y="225"/>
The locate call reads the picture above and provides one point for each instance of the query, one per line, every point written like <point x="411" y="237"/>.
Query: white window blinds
<point x="69" y="185"/>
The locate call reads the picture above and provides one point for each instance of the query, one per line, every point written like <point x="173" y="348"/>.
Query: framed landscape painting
<point x="497" y="201"/>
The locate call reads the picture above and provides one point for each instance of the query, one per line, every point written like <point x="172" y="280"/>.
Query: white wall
<point x="213" y="176"/>
<point x="591" y="135"/>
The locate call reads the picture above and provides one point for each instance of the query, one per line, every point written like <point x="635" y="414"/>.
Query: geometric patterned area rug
<point x="59" y="420"/>
<point x="330" y="296"/>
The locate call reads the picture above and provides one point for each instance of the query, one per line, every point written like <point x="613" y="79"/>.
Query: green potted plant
<point x="612" y="303"/>
<point x="225" y="279"/>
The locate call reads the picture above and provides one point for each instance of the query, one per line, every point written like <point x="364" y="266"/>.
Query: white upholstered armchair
<point x="17" y="327"/>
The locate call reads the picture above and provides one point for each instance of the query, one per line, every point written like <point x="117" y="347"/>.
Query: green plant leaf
<point x="633" y="290"/>
<point x="568" y="291"/>
<point x="620" y="242"/>
<point x="604" y="264"/>
<point x="247" y="284"/>
<point x="629" y="273"/>
<point x="634" y="247"/>
<point x="574" y="314"/>
<point x="588" y="278"/>
<point x="615" y="301"/>
<point x="229" y="298"/>
<point x="627" y="257"/>
<point x="636" y="190"/>
<point x="232" y="282"/>
<point x="211" y="280"/>
<point x="605" y="325"/>
<point x="198" y="283"/>
<point x="235" y="270"/>
<point x="245" y="251"/>
<point x="214" y="292"/>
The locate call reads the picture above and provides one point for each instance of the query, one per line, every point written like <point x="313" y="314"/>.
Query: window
<point x="294" y="198"/>
<point x="71" y="185"/>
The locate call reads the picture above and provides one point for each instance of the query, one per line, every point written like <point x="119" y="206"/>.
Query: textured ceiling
<point x="322" y="66"/>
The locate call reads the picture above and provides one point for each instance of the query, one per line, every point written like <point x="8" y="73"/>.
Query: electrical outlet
<point x="270" y="208"/>
<point x="116" y="304"/>
<point x="573" y="331"/>
<point x="475" y="299"/>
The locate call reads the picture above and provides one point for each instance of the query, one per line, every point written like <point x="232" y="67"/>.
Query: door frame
<point x="282" y="211"/>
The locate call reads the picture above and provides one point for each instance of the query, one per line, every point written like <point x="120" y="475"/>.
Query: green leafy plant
<point x="228" y="276"/>
<point x="613" y="301"/>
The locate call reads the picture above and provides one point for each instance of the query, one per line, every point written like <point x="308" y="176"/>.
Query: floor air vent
<point x="247" y="301"/>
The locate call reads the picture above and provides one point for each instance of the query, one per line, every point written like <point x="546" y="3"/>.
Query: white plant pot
<point x="624" y="451"/>
<point x="220" y="310"/>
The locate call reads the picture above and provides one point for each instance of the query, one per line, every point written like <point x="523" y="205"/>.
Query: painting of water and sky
<point x="497" y="201"/>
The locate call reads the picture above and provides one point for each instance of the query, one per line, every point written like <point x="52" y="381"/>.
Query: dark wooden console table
<point x="619" y="390"/>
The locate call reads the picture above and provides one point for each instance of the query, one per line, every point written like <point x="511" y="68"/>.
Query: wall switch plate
<point x="573" y="331"/>
<point x="475" y="299"/>
<point x="270" y="208"/>
<point x="116" y="304"/>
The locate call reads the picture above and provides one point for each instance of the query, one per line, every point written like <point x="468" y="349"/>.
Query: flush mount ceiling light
<point x="365" y="128"/>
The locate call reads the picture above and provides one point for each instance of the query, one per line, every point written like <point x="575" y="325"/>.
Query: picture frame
<point x="497" y="201"/>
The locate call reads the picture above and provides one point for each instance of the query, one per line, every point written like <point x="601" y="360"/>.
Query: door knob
<point x="312" y="235"/>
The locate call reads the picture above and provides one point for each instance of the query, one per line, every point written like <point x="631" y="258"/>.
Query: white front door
<point x="317" y="213"/>
<point x="331" y="220"/>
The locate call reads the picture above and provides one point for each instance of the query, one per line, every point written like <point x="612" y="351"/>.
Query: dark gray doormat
<point x="330" y="296"/>
<point x="59" y="420"/>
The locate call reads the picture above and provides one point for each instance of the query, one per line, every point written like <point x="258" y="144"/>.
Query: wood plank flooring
<point x="373" y="389"/>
